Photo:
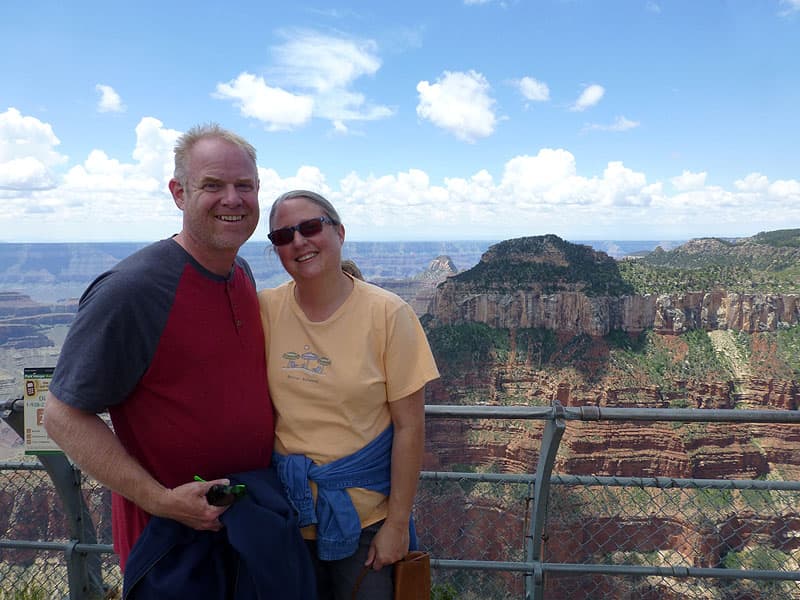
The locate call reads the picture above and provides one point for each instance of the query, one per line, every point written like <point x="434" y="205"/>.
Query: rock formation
<point x="577" y="313"/>
<point x="420" y="290"/>
<point x="565" y="293"/>
<point x="586" y="353"/>
<point x="546" y="320"/>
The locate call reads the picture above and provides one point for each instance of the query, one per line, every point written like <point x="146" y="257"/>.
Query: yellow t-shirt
<point x="331" y="381"/>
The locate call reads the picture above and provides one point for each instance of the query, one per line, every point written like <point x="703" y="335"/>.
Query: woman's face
<point x="306" y="258"/>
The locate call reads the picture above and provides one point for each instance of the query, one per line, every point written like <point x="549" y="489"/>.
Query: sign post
<point x="37" y="382"/>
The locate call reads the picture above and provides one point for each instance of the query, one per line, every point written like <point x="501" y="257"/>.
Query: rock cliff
<point x="548" y="283"/>
<point x="420" y="290"/>
<point x="577" y="313"/>
<point x="538" y="320"/>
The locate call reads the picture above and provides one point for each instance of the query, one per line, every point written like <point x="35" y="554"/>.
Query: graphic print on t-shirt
<point x="307" y="360"/>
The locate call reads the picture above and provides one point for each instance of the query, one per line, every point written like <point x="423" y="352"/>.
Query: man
<point x="169" y="342"/>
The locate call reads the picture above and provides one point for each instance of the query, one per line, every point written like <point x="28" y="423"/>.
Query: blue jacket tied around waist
<point x="338" y="525"/>
<point x="258" y="555"/>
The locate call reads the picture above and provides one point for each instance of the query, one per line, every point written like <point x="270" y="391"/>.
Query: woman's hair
<point x="348" y="266"/>
<point x="317" y="199"/>
<point x="186" y="142"/>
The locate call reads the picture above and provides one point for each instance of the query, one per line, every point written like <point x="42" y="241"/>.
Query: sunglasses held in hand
<point x="223" y="495"/>
<point x="309" y="228"/>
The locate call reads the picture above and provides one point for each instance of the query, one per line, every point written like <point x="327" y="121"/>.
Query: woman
<point x="348" y="363"/>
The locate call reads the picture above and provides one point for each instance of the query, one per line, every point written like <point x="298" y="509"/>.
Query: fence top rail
<point x="52" y="545"/>
<point x="612" y="481"/>
<point x="677" y="483"/>
<point x="482" y="411"/>
<point x="604" y="413"/>
<point x="33" y="465"/>
<point x="11" y="404"/>
<point x="584" y="413"/>
<point x="708" y="415"/>
<point x="608" y="569"/>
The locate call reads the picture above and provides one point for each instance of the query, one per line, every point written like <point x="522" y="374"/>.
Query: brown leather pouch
<point x="412" y="576"/>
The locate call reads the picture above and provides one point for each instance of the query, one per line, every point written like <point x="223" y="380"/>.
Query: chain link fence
<point x="674" y="526"/>
<point x="606" y="537"/>
<point x="35" y="530"/>
<point x="469" y="520"/>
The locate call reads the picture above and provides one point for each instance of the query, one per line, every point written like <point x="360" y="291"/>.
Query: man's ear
<point x="177" y="191"/>
<point x="341" y="233"/>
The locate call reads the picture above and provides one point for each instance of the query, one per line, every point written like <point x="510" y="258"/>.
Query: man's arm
<point x="408" y="417"/>
<point x="94" y="447"/>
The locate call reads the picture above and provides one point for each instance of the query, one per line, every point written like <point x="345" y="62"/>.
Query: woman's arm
<point x="408" y="417"/>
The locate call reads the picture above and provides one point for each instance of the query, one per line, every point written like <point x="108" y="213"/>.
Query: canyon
<point x="539" y="320"/>
<point x="560" y="338"/>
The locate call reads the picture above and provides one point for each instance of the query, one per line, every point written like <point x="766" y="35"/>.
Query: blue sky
<point x="434" y="120"/>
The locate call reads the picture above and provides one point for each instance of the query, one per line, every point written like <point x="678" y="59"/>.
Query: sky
<point x="419" y="120"/>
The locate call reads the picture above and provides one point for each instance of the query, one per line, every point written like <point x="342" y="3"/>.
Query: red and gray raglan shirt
<point x="176" y="355"/>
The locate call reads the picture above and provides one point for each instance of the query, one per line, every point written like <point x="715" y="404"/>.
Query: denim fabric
<point x="338" y="524"/>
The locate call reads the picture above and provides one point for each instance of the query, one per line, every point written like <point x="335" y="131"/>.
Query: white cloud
<point x="620" y="124"/>
<point x="653" y="7"/>
<point x="622" y="187"/>
<point x="689" y="181"/>
<point x="25" y="173"/>
<point x="391" y="200"/>
<point x="273" y="185"/>
<point x="534" y="90"/>
<point x="109" y="99"/>
<point x="27" y="136"/>
<point x="459" y="103"/>
<point x="754" y="182"/>
<point x="314" y="75"/>
<point x="536" y="194"/>
<point x="756" y="185"/>
<point x="589" y="97"/>
<point x="349" y="106"/>
<point x="102" y="198"/>
<point x="27" y="152"/>
<point x="100" y="173"/>
<point x="277" y="108"/>
<point x="154" y="149"/>
<point x="786" y="189"/>
<point x="110" y="198"/>
<point x="789" y="7"/>
<point x="528" y="176"/>
<point x="327" y="67"/>
<point x="311" y="60"/>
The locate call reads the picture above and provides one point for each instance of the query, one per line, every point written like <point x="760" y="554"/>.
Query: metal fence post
<point x="85" y="578"/>
<point x="551" y="439"/>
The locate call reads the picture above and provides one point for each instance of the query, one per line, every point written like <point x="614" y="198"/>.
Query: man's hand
<point x="187" y="504"/>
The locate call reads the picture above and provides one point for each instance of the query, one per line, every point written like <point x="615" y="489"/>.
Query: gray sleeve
<point x="113" y="338"/>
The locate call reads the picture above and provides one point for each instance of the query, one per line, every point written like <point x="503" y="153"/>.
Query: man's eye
<point x="211" y="186"/>
<point x="245" y="187"/>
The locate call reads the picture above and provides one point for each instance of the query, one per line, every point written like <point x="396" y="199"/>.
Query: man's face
<point x="220" y="198"/>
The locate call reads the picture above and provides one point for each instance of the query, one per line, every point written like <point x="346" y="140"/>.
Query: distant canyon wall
<point x="576" y="313"/>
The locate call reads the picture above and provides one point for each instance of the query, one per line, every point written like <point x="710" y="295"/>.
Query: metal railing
<point x="496" y="534"/>
<point x="763" y="550"/>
